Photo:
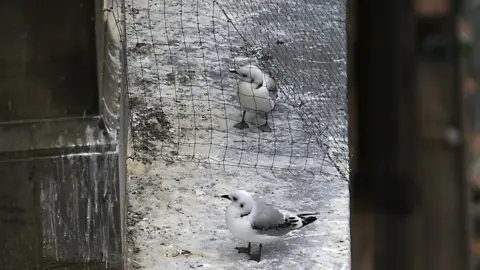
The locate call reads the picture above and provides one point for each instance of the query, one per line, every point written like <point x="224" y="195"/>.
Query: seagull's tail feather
<point x="307" y="218"/>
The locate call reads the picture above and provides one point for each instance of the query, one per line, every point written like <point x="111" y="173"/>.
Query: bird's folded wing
<point x="270" y="221"/>
<point x="271" y="86"/>
<point x="273" y="94"/>
<point x="270" y="83"/>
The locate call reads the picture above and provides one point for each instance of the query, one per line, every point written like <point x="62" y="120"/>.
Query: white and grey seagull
<point x="257" y="222"/>
<point x="257" y="91"/>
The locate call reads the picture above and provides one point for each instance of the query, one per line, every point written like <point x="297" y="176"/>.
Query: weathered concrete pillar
<point x="62" y="134"/>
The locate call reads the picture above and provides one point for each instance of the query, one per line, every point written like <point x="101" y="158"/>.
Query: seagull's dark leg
<point x="245" y="250"/>
<point x="242" y="124"/>
<point x="256" y="257"/>
<point x="265" y="127"/>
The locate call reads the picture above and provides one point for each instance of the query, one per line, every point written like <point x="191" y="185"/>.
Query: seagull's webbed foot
<point x="265" y="128"/>
<point x="256" y="257"/>
<point x="241" y="125"/>
<point x="245" y="250"/>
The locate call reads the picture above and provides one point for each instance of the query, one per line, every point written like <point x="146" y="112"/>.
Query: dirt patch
<point x="184" y="77"/>
<point x="149" y="127"/>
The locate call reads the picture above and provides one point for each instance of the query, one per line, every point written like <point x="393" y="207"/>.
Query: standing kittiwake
<point x="256" y="222"/>
<point x="257" y="91"/>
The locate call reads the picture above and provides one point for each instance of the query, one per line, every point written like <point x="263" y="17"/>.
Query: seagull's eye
<point x="234" y="199"/>
<point x="241" y="205"/>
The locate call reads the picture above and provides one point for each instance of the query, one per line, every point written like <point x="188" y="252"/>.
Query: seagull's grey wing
<point x="273" y="94"/>
<point x="270" y="221"/>
<point x="271" y="86"/>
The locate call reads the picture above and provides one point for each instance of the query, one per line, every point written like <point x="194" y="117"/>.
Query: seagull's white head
<point x="250" y="74"/>
<point x="241" y="203"/>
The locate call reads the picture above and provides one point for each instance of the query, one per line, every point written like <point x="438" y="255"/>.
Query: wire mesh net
<point x="184" y="102"/>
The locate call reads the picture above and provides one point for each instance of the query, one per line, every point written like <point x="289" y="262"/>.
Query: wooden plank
<point x="407" y="167"/>
<point x="380" y="95"/>
<point x="361" y="214"/>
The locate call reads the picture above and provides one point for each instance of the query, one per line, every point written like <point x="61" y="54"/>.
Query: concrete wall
<point x="47" y="60"/>
<point x="63" y="129"/>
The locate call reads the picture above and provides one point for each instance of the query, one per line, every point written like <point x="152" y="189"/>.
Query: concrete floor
<point x="186" y="152"/>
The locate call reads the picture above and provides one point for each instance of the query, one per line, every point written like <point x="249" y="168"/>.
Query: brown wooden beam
<point x="361" y="213"/>
<point x="408" y="188"/>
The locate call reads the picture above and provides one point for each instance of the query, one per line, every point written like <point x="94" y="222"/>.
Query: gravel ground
<point x="185" y="151"/>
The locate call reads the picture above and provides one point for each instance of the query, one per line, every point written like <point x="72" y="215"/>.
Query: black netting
<point x="183" y="99"/>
